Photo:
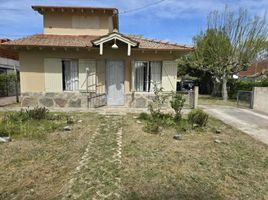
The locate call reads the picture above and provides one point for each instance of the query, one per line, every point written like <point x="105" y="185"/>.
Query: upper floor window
<point x="147" y="74"/>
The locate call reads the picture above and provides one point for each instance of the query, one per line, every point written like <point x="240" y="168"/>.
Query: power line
<point x="142" y="7"/>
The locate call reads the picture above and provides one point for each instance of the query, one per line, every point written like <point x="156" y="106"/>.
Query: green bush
<point x="236" y="85"/>
<point x="33" y="123"/>
<point x="177" y="103"/>
<point x="7" y="83"/>
<point x="198" y="117"/>
<point x="151" y="127"/>
<point x="155" y="118"/>
<point x="144" y="116"/>
<point x="38" y="113"/>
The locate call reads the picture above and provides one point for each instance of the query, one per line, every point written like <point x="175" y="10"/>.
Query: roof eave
<point x="166" y="49"/>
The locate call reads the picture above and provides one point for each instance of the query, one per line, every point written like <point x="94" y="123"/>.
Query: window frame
<point x="148" y="76"/>
<point x="63" y="74"/>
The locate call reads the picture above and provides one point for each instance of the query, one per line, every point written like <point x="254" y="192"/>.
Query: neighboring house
<point x="81" y="59"/>
<point x="9" y="59"/>
<point x="9" y="63"/>
<point x="255" y="72"/>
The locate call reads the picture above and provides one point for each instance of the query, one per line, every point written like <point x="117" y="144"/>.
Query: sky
<point x="169" y="20"/>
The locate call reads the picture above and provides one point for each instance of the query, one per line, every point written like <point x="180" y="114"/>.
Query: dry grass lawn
<point x="152" y="167"/>
<point x="159" y="167"/>
<point x="38" y="168"/>
<point x="210" y="100"/>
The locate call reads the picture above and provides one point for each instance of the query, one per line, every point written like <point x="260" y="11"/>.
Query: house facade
<point x="9" y="59"/>
<point x="81" y="60"/>
<point x="9" y="64"/>
<point x="255" y="72"/>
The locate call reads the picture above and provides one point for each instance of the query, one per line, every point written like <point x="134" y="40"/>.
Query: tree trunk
<point x="215" y="88"/>
<point x="224" y="88"/>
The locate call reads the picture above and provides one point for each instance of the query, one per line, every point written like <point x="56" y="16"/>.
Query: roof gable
<point x="113" y="36"/>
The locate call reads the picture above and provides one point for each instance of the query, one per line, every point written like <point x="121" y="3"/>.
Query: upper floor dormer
<point x="78" y="20"/>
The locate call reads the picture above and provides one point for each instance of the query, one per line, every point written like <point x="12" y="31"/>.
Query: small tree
<point x="177" y="103"/>
<point x="158" y="101"/>
<point x="229" y="44"/>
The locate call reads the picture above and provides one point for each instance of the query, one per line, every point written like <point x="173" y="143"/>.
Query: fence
<point x="191" y="98"/>
<point x="9" y="84"/>
<point x="245" y="99"/>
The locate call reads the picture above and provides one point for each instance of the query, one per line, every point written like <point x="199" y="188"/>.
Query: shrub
<point x="155" y="110"/>
<point x="151" y="127"/>
<point x="177" y="103"/>
<point x="34" y="123"/>
<point x="198" y="117"/>
<point x="7" y="83"/>
<point x="236" y="85"/>
<point x="38" y="113"/>
<point x="158" y="101"/>
<point x="144" y="116"/>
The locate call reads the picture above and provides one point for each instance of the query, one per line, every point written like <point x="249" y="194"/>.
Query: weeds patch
<point x="31" y="123"/>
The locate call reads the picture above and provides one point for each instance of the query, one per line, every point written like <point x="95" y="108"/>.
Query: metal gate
<point x="245" y="99"/>
<point x="189" y="98"/>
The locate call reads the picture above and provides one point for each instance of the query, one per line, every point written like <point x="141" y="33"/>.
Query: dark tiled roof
<point x="53" y="41"/>
<point x="84" y="41"/>
<point x="7" y="53"/>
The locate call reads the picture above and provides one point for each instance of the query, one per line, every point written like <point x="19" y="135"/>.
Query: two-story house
<point x="81" y="59"/>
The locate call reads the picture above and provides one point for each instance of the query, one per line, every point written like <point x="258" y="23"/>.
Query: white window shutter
<point x="169" y="75"/>
<point x="83" y="65"/>
<point x="53" y="75"/>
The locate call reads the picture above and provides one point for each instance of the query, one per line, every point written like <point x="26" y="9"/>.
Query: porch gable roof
<point x="115" y="36"/>
<point x="112" y="36"/>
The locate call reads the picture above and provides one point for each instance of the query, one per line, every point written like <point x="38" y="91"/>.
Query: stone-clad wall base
<point x="142" y="100"/>
<point x="60" y="100"/>
<point x="79" y="100"/>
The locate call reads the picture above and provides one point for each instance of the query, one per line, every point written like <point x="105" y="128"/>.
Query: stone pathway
<point x="97" y="173"/>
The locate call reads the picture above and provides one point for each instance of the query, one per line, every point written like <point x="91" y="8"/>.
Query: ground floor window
<point x="147" y="74"/>
<point x="70" y="75"/>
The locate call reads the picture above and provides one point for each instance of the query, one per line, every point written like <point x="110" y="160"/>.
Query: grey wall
<point x="260" y="101"/>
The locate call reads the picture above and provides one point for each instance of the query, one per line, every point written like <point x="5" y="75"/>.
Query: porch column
<point x="133" y="76"/>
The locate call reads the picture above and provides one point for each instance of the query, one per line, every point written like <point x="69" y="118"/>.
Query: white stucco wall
<point x="260" y="101"/>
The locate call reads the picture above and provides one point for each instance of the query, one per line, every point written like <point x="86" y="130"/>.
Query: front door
<point x="115" y="83"/>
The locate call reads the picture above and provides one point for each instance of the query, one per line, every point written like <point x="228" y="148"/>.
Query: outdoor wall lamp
<point x="115" y="45"/>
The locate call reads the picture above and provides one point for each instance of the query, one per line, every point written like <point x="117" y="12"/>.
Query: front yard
<point x="111" y="157"/>
<point x="211" y="100"/>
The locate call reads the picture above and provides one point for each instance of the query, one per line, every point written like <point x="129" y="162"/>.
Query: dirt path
<point x="248" y="121"/>
<point x="97" y="173"/>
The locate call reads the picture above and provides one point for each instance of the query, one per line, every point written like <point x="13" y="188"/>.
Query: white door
<point x="115" y="83"/>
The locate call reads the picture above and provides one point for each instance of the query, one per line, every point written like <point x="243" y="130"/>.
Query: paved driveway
<point x="4" y="101"/>
<point x="248" y="121"/>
